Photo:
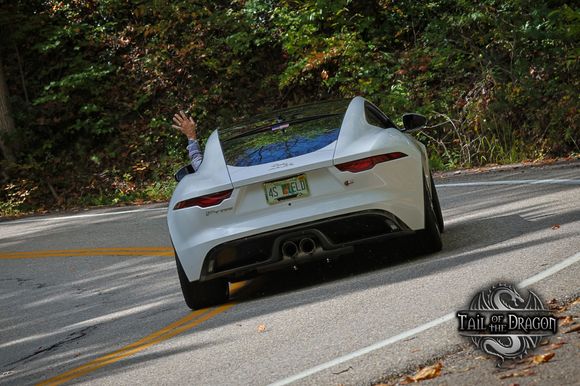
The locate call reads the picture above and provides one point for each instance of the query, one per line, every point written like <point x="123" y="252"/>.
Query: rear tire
<point x="202" y="294"/>
<point x="429" y="239"/>
<point x="437" y="206"/>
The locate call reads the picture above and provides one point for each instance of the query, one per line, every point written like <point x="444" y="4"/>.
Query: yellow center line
<point x="191" y="320"/>
<point x="125" y="251"/>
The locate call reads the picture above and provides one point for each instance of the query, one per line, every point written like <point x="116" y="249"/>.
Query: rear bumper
<point x="325" y="238"/>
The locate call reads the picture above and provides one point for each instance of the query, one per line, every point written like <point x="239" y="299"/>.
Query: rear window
<point x="282" y="141"/>
<point x="282" y="135"/>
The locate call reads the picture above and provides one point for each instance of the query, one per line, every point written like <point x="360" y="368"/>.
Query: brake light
<point x="204" y="201"/>
<point x="368" y="163"/>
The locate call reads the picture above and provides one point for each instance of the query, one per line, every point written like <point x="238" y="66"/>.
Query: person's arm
<point x="188" y="127"/>
<point x="195" y="154"/>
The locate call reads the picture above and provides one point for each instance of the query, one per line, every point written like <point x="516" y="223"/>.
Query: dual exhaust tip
<point x="291" y="249"/>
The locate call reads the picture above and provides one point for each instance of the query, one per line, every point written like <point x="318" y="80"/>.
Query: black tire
<point x="429" y="239"/>
<point x="202" y="294"/>
<point x="437" y="206"/>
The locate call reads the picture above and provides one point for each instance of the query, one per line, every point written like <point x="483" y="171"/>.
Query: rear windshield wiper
<point x="280" y="125"/>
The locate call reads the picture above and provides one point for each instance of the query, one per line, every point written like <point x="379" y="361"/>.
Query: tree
<point x="6" y="121"/>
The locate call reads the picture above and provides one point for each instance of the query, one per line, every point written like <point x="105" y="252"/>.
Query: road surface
<point x="93" y="297"/>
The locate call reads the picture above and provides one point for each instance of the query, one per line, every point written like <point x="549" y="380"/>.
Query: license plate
<point x="293" y="187"/>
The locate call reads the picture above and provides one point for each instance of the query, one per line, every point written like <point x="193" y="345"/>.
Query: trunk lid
<point x="245" y="175"/>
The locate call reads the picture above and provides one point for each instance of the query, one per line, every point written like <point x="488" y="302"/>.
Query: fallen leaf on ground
<point x="577" y="301"/>
<point x="523" y="373"/>
<point x="555" y="306"/>
<point x="544" y="342"/>
<point x="542" y="358"/>
<point x="575" y="328"/>
<point x="261" y="328"/>
<point x="555" y="346"/>
<point x="556" y="226"/>
<point x="428" y="372"/>
<point x="566" y="321"/>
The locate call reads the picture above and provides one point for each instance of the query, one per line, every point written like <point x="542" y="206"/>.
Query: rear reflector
<point x="368" y="163"/>
<point x="204" y="201"/>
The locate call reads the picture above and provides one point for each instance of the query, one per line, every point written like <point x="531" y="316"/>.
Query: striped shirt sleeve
<point x="195" y="154"/>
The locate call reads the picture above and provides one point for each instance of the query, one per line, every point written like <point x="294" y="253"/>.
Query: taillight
<point x="368" y="163"/>
<point x="204" y="201"/>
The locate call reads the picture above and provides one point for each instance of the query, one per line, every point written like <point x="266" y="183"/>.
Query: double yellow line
<point x="132" y="251"/>
<point x="191" y="320"/>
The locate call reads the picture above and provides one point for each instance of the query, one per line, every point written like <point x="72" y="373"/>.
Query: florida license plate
<point x="293" y="187"/>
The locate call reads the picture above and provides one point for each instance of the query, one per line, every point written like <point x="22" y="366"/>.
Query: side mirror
<point x="414" y="122"/>
<point x="182" y="172"/>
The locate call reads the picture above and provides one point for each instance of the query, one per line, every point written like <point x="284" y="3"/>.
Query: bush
<point x="93" y="85"/>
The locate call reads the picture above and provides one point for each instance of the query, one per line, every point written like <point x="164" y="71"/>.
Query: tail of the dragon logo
<point x="504" y="297"/>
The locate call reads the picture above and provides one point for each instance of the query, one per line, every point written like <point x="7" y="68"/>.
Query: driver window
<point x="375" y="118"/>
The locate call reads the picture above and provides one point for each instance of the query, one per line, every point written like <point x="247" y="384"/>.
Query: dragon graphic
<point x="504" y="297"/>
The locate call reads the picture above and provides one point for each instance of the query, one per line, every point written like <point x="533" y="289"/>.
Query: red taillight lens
<point x="368" y="163"/>
<point x="204" y="201"/>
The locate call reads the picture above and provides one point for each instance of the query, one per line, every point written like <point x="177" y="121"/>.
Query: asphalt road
<point x="93" y="297"/>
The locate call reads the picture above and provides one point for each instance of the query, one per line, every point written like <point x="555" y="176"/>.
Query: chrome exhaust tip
<point x="289" y="249"/>
<point x="307" y="245"/>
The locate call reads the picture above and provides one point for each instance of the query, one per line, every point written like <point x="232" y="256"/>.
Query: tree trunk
<point x="6" y="121"/>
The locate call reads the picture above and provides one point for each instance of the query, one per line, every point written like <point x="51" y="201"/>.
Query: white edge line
<point x="513" y="182"/>
<point x="365" y="350"/>
<point x="550" y="271"/>
<point x="72" y="217"/>
<point x="407" y="334"/>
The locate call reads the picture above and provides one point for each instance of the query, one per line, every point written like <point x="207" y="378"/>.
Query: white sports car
<point x="302" y="183"/>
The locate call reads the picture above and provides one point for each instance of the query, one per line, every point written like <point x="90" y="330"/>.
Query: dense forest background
<point x="88" y="88"/>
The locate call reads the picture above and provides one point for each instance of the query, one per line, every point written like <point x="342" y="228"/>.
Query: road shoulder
<point x="553" y="362"/>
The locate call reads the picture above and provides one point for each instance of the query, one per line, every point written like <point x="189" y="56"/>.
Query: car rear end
<point x="295" y="192"/>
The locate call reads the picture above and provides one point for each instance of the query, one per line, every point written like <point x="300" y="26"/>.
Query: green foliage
<point x="94" y="84"/>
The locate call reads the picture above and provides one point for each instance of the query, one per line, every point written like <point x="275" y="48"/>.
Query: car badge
<point x="281" y="165"/>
